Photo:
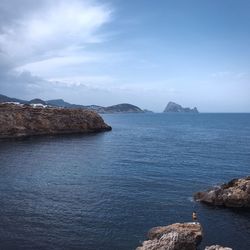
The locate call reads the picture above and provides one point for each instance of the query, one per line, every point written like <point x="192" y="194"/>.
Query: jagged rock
<point x="235" y="193"/>
<point x="173" y="107"/>
<point x="178" y="236"/>
<point x="24" y="120"/>
<point x="217" y="247"/>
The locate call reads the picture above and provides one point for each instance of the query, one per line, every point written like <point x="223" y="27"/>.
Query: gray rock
<point x="217" y="247"/>
<point x="178" y="236"/>
<point x="235" y="193"/>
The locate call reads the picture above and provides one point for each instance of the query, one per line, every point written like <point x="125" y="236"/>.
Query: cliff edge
<point x="178" y="236"/>
<point x="24" y="120"/>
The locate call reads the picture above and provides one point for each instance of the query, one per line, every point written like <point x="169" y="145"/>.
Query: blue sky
<point x="147" y="53"/>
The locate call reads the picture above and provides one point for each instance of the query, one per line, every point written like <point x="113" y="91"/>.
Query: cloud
<point x="92" y="81"/>
<point x="20" y="84"/>
<point x="221" y="74"/>
<point x="24" y="85"/>
<point x="56" y="28"/>
<point x="50" y="66"/>
<point x="230" y="75"/>
<point x="40" y="37"/>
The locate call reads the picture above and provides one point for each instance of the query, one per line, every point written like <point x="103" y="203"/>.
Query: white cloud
<point x="46" y="67"/>
<point x="91" y="81"/>
<point x="45" y="40"/>
<point x="221" y="74"/>
<point x="230" y="75"/>
<point x="51" y="31"/>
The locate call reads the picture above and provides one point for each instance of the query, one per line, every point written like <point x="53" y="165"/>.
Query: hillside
<point x="119" y="108"/>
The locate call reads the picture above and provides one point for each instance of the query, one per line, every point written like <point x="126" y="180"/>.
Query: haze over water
<point x="105" y="191"/>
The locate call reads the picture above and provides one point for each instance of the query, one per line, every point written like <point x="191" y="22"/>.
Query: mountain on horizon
<point x="4" y="98"/>
<point x="173" y="107"/>
<point x="119" y="108"/>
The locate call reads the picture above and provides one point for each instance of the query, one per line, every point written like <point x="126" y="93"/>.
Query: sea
<point x="106" y="190"/>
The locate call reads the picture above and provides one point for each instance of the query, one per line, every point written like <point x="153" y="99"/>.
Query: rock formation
<point x="217" y="247"/>
<point x="178" y="236"/>
<point x="176" y="108"/>
<point x="235" y="193"/>
<point x="24" y="120"/>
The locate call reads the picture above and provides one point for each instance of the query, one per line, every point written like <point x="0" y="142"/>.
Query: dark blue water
<point x="105" y="191"/>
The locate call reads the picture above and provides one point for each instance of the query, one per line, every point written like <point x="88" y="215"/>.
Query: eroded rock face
<point x="235" y="193"/>
<point x="17" y="120"/>
<point x="178" y="236"/>
<point x="217" y="247"/>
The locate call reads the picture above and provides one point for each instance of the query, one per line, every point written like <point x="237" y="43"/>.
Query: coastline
<point x="21" y="121"/>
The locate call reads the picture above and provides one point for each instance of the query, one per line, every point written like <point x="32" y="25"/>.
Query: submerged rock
<point x="235" y="193"/>
<point x="217" y="247"/>
<point x="178" y="236"/>
<point x="24" y="120"/>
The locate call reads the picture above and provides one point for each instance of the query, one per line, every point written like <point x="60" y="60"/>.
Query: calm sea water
<point x="105" y="191"/>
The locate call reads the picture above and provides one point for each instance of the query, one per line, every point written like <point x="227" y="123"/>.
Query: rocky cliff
<point x="173" y="107"/>
<point x="235" y="193"/>
<point x="178" y="236"/>
<point x="24" y="120"/>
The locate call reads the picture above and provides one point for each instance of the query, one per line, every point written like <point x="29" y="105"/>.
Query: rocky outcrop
<point x="235" y="193"/>
<point x="24" y="120"/>
<point x="173" y="107"/>
<point x="217" y="247"/>
<point x="178" y="236"/>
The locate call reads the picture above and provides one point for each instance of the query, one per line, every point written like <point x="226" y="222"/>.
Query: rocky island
<point x="173" y="107"/>
<point x="25" y="120"/>
<point x="235" y="193"/>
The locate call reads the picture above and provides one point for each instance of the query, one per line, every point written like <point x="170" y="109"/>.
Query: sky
<point x="143" y="52"/>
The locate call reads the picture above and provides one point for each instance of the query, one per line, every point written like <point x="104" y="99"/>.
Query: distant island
<point x="119" y="108"/>
<point x="173" y="107"/>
